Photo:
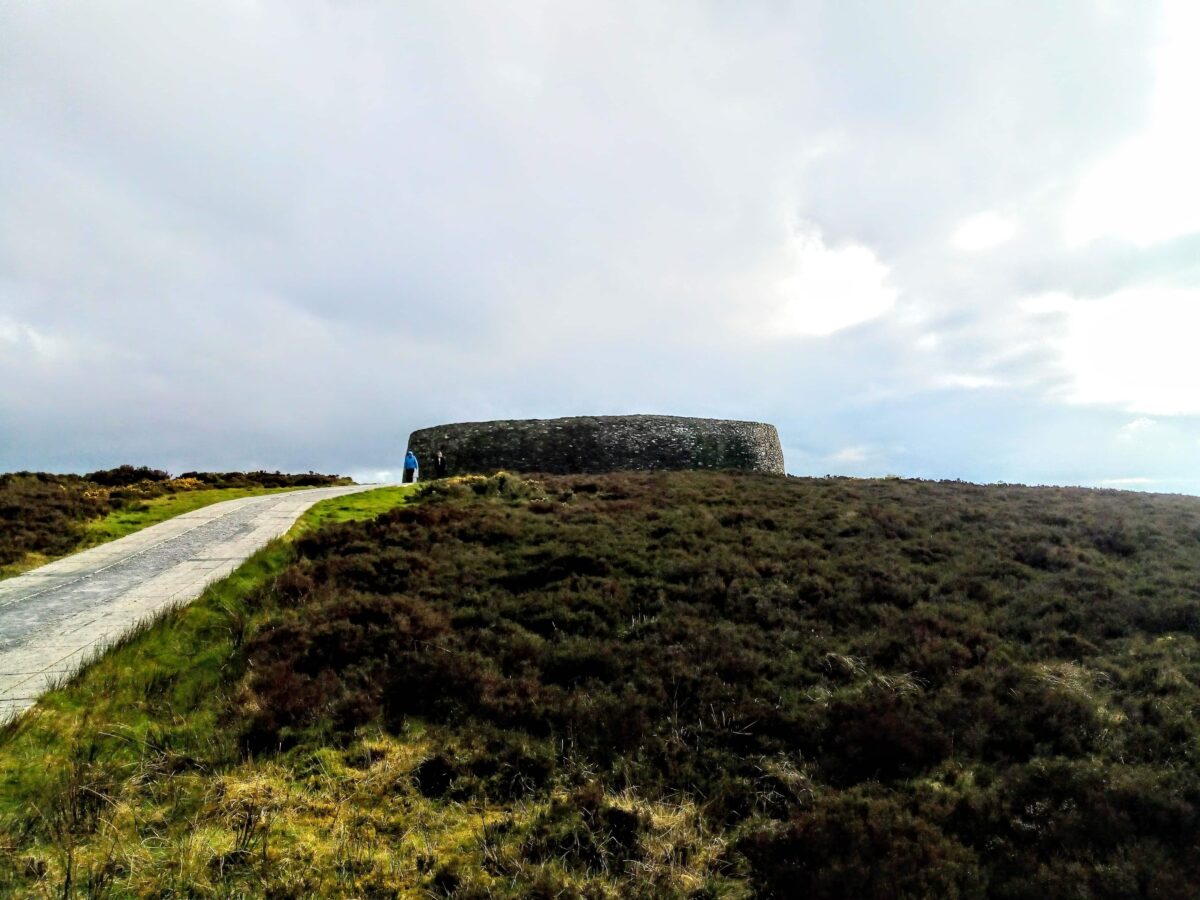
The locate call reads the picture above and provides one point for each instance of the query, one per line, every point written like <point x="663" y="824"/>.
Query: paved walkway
<point x="55" y="618"/>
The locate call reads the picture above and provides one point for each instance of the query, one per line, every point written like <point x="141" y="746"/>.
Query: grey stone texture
<point x="592" y="444"/>
<point x="55" y="618"/>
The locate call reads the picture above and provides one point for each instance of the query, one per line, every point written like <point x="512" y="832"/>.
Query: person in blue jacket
<point x="411" y="467"/>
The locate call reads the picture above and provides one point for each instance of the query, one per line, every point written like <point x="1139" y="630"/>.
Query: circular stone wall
<point x="599" y="444"/>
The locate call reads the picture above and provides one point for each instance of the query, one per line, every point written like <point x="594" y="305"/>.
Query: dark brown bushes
<point x="42" y="513"/>
<point x="890" y="689"/>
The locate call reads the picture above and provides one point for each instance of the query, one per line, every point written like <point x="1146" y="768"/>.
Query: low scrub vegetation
<point x="43" y="516"/>
<point x="684" y="684"/>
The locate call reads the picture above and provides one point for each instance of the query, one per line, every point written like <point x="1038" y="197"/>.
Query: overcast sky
<point x="933" y="239"/>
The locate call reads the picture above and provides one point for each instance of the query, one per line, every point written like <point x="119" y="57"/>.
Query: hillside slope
<point x="692" y="684"/>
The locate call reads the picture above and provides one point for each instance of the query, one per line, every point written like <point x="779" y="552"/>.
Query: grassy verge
<point x="140" y="515"/>
<point x="158" y="509"/>
<point x="45" y="516"/>
<point x="352" y="507"/>
<point x="27" y="562"/>
<point x="74" y="769"/>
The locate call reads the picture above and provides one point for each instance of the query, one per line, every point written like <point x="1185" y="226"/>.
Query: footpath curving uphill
<point x="53" y="619"/>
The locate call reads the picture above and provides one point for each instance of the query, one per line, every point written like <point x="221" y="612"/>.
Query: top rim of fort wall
<point x="606" y="418"/>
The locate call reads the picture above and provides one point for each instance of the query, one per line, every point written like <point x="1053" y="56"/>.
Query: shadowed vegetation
<point x="686" y="684"/>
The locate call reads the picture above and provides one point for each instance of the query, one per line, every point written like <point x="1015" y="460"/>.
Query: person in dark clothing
<point x="411" y="467"/>
<point x="439" y="465"/>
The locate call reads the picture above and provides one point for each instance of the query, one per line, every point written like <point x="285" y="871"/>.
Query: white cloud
<point x="850" y="455"/>
<point x="1147" y="191"/>
<point x="22" y="337"/>
<point x="1118" y="482"/>
<point x="828" y="288"/>
<point x="1130" y="430"/>
<point x="967" y="381"/>
<point x="1051" y="303"/>
<point x="409" y="215"/>
<point x="983" y="232"/>
<point x="1134" y="349"/>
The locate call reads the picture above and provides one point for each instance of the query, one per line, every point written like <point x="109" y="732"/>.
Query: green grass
<point x="152" y="703"/>
<point x="141" y="514"/>
<point x="353" y="508"/>
<point x="27" y="562"/>
<point x="145" y="513"/>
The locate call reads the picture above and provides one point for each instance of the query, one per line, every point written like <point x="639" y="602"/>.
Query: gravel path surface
<point x="53" y="619"/>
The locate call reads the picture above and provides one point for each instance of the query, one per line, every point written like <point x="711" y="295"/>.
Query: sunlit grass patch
<point x="354" y="507"/>
<point x="144" y="513"/>
<point x="24" y="564"/>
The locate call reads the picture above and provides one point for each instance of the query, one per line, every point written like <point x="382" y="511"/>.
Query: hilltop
<point x="687" y="684"/>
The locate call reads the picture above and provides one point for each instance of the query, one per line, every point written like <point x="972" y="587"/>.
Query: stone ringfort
<point x="593" y="444"/>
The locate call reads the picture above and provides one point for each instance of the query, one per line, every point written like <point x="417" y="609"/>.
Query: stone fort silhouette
<point x="593" y="444"/>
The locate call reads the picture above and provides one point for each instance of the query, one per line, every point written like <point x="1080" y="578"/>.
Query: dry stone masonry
<point x="599" y="444"/>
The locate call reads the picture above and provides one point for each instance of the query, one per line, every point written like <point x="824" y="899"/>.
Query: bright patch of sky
<point x="1146" y="190"/>
<point x="21" y="337"/>
<point x="1134" y="429"/>
<point x="939" y="240"/>
<point x="983" y="232"/>
<point x="1117" y="353"/>
<point x="850" y="455"/>
<point x="829" y="288"/>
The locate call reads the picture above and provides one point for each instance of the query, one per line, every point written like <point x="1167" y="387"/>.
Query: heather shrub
<point x="324" y="664"/>
<point x="44" y="514"/>
<point x="263" y="479"/>
<point x="875" y="689"/>
<point x="861" y="845"/>
<point x="125" y="475"/>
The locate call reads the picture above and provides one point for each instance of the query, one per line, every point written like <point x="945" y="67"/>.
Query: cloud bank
<point x="931" y="240"/>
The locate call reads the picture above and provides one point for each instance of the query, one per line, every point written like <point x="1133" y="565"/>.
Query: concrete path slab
<point x="55" y="618"/>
